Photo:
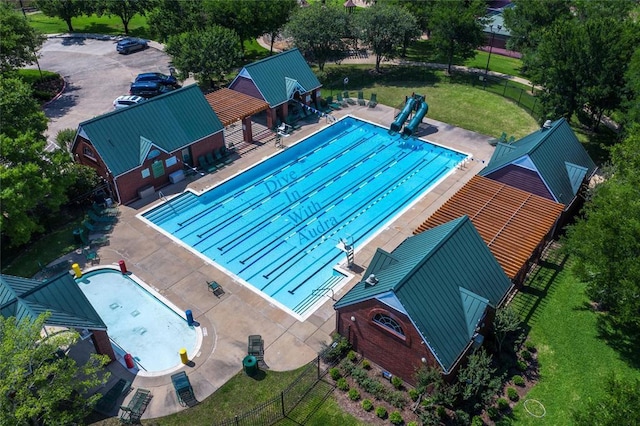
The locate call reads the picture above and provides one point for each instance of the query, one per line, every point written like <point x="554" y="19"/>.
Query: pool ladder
<point x="164" y="197"/>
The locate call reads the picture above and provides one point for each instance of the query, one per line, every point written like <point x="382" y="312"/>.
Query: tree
<point x="505" y="322"/>
<point x="477" y="380"/>
<point x="63" y="9"/>
<point x="274" y="15"/>
<point x="19" y="110"/>
<point x="605" y="242"/>
<point x="124" y="9"/>
<point x="172" y="17"/>
<point x="40" y="386"/>
<point x="19" y="42"/>
<point x="456" y="29"/>
<point x="619" y="406"/>
<point x="209" y="53"/>
<point x="632" y="89"/>
<point x="317" y="31"/>
<point x="384" y="29"/>
<point x="241" y="16"/>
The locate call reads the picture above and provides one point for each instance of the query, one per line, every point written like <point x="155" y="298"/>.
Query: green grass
<point x="90" y="24"/>
<point x="31" y="77"/>
<point x="575" y="361"/>
<point x="498" y="63"/>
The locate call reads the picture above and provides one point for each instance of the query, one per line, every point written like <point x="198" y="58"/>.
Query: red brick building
<point x="144" y="147"/>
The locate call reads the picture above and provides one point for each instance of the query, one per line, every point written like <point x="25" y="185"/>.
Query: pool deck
<point x="227" y="321"/>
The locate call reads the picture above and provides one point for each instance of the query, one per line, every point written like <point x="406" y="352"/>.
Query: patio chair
<point x="183" y="389"/>
<point x="132" y="412"/>
<point x="255" y="346"/>
<point x="101" y="219"/>
<point x="105" y="211"/>
<point x="361" y="100"/>
<point x="91" y="255"/>
<point x="97" y="227"/>
<point x="205" y="165"/>
<point x="323" y="109"/>
<point x="215" y="288"/>
<point x="373" y="101"/>
<point x="340" y="100"/>
<point x="221" y="159"/>
<point x="332" y="105"/>
<point x="90" y="242"/>
<point x="348" y="98"/>
<point x="107" y="402"/>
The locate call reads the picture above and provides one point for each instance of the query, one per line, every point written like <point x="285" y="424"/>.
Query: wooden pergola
<point x="513" y="223"/>
<point x="231" y="106"/>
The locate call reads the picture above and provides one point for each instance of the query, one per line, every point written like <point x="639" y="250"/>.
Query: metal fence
<point x="524" y="97"/>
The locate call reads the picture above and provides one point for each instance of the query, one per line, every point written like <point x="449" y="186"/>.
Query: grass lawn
<point x="90" y="24"/>
<point x="575" y="361"/>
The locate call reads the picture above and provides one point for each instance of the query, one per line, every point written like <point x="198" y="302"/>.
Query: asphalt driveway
<point x="95" y="75"/>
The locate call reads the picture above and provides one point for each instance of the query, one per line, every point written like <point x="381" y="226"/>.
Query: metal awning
<point x="231" y="106"/>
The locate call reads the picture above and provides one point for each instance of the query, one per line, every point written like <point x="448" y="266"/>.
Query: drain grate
<point x="114" y="306"/>
<point x="135" y="313"/>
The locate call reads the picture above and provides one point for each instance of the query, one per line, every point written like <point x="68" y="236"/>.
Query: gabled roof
<point x="278" y="76"/>
<point x="69" y="307"/>
<point x="555" y="153"/>
<point x="444" y="278"/>
<point x="168" y="122"/>
<point x="511" y="222"/>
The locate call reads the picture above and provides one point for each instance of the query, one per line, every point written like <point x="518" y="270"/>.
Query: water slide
<point x="400" y="119"/>
<point x="410" y="128"/>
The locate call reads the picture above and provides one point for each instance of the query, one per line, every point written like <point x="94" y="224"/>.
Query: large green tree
<point x="172" y="17"/>
<point x="632" y="90"/>
<point x="457" y="30"/>
<point x="241" y="16"/>
<point x="318" y="31"/>
<point x="123" y="9"/>
<point x="209" y="54"/>
<point x="19" y="42"/>
<point x="39" y="385"/>
<point x="477" y="380"/>
<point x="274" y="15"/>
<point x="19" y="111"/>
<point x="619" y="406"/>
<point x="64" y="9"/>
<point x="605" y="241"/>
<point x="506" y="321"/>
<point x="384" y="29"/>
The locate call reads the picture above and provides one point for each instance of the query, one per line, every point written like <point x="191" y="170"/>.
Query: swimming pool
<point x="276" y="226"/>
<point x="137" y="321"/>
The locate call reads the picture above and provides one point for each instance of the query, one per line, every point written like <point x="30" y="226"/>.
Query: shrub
<point x="512" y="393"/>
<point x="374" y="387"/>
<point x="412" y="423"/>
<point x="526" y="355"/>
<point x="359" y="375"/>
<point x="354" y="395"/>
<point x="348" y="366"/>
<point x="503" y="404"/>
<point x="352" y="356"/>
<point x="396" y="398"/>
<point x="462" y="418"/>
<point x="367" y="405"/>
<point x="414" y="394"/>
<point x="441" y="411"/>
<point x="381" y="412"/>
<point x="518" y="380"/>
<point x="395" y="418"/>
<point x="493" y="413"/>
<point x="366" y="364"/>
<point x="396" y="382"/>
<point x="335" y="373"/>
<point x="342" y="384"/>
<point x="522" y="366"/>
<point x="477" y="421"/>
<point x="337" y="349"/>
<point x="530" y="346"/>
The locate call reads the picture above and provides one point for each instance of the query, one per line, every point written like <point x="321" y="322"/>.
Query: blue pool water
<point x="138" y="322"/>
<point x="276" y="225"/>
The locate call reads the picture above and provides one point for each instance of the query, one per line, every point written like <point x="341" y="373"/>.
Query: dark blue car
<point x="157" y="77"/>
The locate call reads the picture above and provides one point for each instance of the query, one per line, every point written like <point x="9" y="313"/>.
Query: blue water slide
<point x="410" y="128"/>
<point x="400" y="119"/>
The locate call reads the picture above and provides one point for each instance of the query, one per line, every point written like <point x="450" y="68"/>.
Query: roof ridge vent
<point x="371" y="280"/>
<point x="547" y="125"/>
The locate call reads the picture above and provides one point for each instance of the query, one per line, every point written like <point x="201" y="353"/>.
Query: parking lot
<point x="95" y="75"/>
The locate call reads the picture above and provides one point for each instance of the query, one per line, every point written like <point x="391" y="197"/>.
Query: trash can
<point x="77" y="236"/>
<point x="250" y="365"/>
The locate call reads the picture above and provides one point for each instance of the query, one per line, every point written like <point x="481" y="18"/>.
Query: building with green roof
<point x="148" y="145"/>
<point x="550" y="162"/>
<point x="278" y="80"/>
<point x="67" y="305"/>
<point x="426" y="302"/>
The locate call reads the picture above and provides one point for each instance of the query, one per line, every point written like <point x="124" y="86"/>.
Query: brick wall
<point x="102" y="344"/>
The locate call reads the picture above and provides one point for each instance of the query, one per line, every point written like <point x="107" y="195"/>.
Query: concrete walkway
<point x="181" y="276"/>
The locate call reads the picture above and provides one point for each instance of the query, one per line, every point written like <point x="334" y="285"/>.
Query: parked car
<point x="167" y="80"/>
<point x="128" y="45"/>
<point x="126" y="100"/>
<point x="148" y="89"/>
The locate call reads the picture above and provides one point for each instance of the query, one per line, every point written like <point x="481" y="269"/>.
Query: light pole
<point x="486" y="70"/>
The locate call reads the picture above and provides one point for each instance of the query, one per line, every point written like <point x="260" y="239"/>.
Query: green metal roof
<point x="548" y="149"/>
<point x="444" y="278"/>
<point x="279" y="74"/>
<point x="124" y="137"/>
<point x="61" y="296"/>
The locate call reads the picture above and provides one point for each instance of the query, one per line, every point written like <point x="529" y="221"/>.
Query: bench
<point x="132" y="412"/>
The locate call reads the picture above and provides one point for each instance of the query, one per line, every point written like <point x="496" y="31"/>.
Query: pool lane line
<point x="245" y="189"/>
<point x="233" y="215"/>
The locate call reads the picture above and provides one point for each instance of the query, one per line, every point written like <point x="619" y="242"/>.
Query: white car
<point x="127" y="100"/>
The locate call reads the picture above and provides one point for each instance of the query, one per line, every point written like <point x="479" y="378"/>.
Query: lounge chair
<point x="361" y="100"/>
<point x="183" y="389"/>
<point x="332" y="105"/>
<point x="348" y="98"/>
<point x="91" y="255"/>
<point x="107" y="402"/>
<point x="89" y="242"/>
<point x="255" y="346"/>
<point x="132" y="412"/>
<point x="323" y="109"/>
<point x="101" y="219"/>
<point x="205" y="165"/>
<point x="105" y="211"/>
<point x="373" y="101"/>
<point x="215" y="288"/>
<point x="341" y="101"/>
<point x="97" y="227"/>
<point x="221" y="159"/>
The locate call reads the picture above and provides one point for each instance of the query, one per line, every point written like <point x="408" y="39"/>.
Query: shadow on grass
<point x="624" y="339"/>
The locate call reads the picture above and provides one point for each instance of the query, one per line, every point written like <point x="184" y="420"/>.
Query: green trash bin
<point x="250" y="365"/>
